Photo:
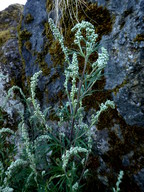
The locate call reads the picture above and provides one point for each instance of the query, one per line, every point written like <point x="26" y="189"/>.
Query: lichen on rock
<point x="10" y="64"/>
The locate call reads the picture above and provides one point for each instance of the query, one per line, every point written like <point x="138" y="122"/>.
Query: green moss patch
<point x="23" y="38"/>
<point x="49" y="5"/>
<point x="28" y="19"/>
<point x="139" y="38"/>
<point x="25" y="35"/>
<point x="7" y="18"/>
<point x="28" y="45"/>
<point x="4" y="36"/>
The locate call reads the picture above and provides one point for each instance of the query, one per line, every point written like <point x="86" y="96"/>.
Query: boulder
<point x="10" y="64"/>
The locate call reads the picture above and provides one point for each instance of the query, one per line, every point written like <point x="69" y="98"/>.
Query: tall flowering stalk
<point x="80" y="90"/>
<point x="81" y="85"/>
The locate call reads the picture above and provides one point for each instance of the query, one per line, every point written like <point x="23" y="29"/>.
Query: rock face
<point x="36" y="56"/>
<point x="119" y="143"/>
<point x="124" y="72"/>
<point x="10" y="61"/>
<point x="125" y="69"/>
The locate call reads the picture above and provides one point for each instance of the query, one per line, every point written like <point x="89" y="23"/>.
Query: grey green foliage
<point x="120" y="176"/>
<point x="64" y="155"/>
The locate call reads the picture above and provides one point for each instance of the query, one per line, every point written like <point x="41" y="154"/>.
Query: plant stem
<point x="83" y="169"/>
<point x="78" y="98"/>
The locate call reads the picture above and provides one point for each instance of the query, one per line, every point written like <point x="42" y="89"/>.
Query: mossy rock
<point x="8" y="17"/>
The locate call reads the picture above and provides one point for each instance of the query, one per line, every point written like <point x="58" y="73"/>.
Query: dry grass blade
<point x="70" y="6"/>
